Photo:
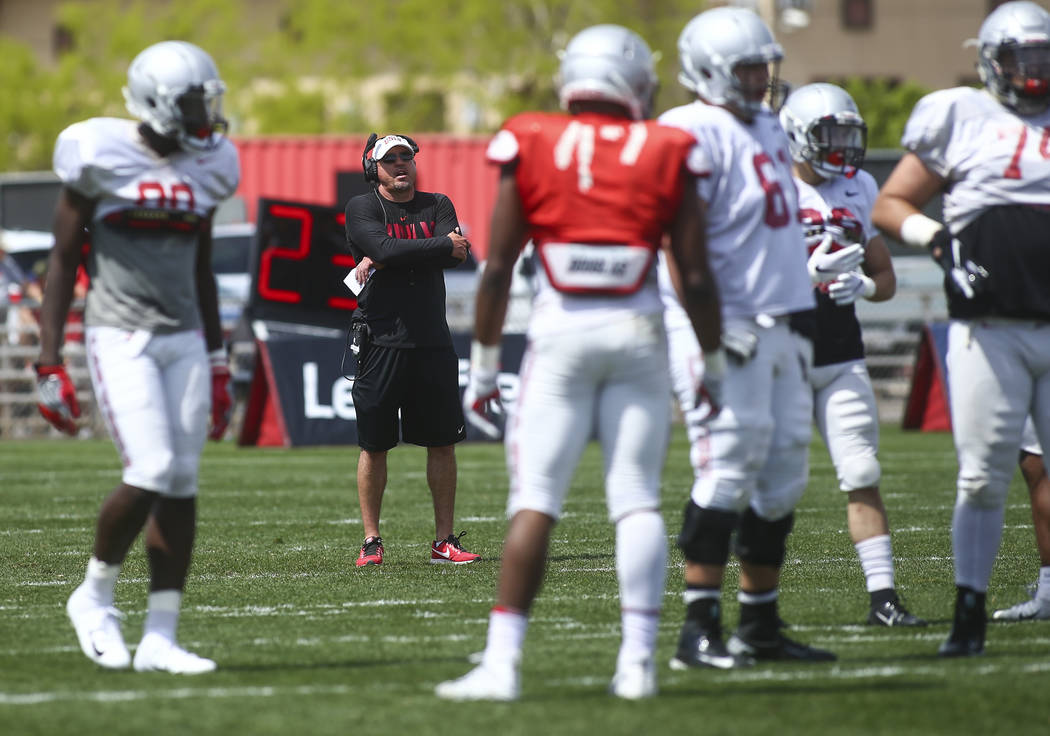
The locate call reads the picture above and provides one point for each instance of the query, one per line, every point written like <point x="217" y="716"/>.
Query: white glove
<point x="848" y="286"/>
<point x="710" y="392"/>
<point x="824" y="266"/>
<point x="739" y="344"/>
<point x="481" y="401"/>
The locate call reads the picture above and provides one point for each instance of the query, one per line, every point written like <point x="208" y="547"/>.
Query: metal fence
<point x="891" y="333"/>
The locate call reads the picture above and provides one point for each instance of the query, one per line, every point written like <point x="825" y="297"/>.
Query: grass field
<point x="307" y="644"/>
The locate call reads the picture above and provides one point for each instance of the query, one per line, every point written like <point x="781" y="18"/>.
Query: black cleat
<point x="893" y="613"/>
<point x="703" y="647"/>
<point x="967" y="636"/>
<point x="776" y="647"/>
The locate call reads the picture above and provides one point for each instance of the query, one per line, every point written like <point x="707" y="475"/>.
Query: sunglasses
<point x="391" y="158"/>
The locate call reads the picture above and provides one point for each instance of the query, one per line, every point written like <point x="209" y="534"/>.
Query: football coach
<point x="407" y="382"/>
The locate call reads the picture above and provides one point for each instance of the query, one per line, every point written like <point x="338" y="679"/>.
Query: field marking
<point x="120" y="696"/>
<point x="268" y="691"/>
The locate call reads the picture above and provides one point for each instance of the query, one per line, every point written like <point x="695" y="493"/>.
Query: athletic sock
<point x="639" y="637"/>
<point x="101" y="580"/>
<point x="1042" y="593"/>
<point x="506" y="635"/>
<point x="641" y="569"/>
<point x="876" y="560"/>
<point x="162" y="613"/>
<point x="976" y="533"/>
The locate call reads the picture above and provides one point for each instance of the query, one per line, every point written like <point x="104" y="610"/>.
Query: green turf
<point x="307" y="644"/>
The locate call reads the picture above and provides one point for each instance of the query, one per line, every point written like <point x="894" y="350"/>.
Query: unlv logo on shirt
<point x="408" y="231"/>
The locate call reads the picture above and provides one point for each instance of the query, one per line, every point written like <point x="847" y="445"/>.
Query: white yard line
<point x="760" y="674"/>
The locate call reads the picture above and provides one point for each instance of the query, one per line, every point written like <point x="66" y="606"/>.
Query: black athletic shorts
<point x="423" y="383"/>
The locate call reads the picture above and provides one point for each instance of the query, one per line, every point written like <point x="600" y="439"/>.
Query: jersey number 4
<point x="577" y="141"/>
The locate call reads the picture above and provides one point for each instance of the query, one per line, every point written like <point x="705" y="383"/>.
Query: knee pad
<point x="762" y="542"/>
<point x="981" y="492"/>
<point x="705" y="534"/>
<point x="860" y="472"/>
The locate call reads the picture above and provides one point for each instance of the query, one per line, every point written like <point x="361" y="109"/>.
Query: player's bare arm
<point x="72" y="215"/>
<point x="878" y="266"/>
<point x="909" y="187"/>
<point x="690" y="271"/>
<point x="207" y="291"/>
<point x="508" y="232"/>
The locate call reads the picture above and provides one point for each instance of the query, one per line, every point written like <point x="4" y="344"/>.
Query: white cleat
<point x="482" y="683"/>
<point x="1033" y="610"/>
<point x="158" y="654"/>
<point x="98" y="630"/>
<point x="634" y="681"/>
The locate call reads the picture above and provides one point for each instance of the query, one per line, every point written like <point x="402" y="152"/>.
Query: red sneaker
<point x="371" y="552"/>
<point x="450" y="551"/>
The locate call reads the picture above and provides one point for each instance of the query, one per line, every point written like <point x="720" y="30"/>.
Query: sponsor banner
<point x="303" y="378"/>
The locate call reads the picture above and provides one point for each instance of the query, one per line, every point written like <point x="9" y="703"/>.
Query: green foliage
<point x="290" y="111"/>
<point x="885" y="105"/>
<point x="502" y="57"/>
<point x="307" y="644"/>
<point x="339" y="67"/>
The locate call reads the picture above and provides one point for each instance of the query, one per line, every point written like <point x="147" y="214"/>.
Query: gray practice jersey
<point x="989" y="155"/>
<point x="147" y="220"/>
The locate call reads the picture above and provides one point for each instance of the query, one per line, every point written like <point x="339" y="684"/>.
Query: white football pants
<point x="154" y="393"/>
<point x="611" y="382"/>
<point x="848" y="421"/>
<point x="757" y="449"/>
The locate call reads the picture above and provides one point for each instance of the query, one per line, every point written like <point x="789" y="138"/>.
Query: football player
<point x="145" y="192"/>
<point x="848" y="260"/>
<point x="986" y="151"/>
<point x="751" y="460"/>
<point x="595" y="190"/>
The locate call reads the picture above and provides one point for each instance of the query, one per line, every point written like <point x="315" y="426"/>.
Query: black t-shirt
<point x="1012" y="242"/>
<point x="403" y="303"/>
<point x="838" y="337"/>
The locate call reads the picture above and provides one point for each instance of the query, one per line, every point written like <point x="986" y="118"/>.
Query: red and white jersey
<point x="989" y="155"/>
<point x="598" y="192"/>
<point x="753" y="238"/>
<point x="841" y="206"/>
<point x="840" y="202"/>
<point x="147" y="220"/>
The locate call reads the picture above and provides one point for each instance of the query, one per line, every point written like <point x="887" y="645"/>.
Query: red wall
<point x="304" y="169"/>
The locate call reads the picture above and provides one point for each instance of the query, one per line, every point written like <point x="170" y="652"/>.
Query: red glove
<point x="58" y="398"/>
<point x="221" y="404"/>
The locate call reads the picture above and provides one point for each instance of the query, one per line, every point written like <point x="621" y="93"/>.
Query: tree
<point x="885" y="105"/>
<point x="315" y="68"/>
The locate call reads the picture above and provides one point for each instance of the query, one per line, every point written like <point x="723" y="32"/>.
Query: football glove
<point x="482" y="406"/>
<point x="847" y="287"/>
<point x="824" y="266"/>
<point x="739" y="344"/>
<point x="221" y="404"/>
<point x="710" y="392"/>
<point x="57" y="397"/>
<point x="964" y="275"/>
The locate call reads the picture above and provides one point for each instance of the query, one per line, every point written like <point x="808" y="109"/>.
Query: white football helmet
<point x="825" y="129"/>
<point x="1013" y="57"/>
<point x="713" y="43"/>
<point x="608" y="63"/>
<point x="174" y="87"/>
